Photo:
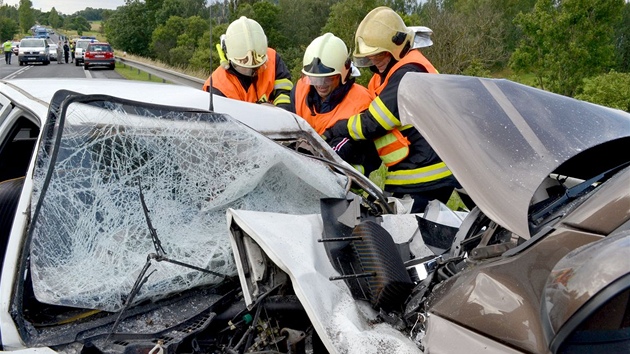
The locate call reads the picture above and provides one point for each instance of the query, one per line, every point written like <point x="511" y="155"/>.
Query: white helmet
<point x="327" y="55"/>
<point x="245" y="43"/>
<point x="382" y="30"/>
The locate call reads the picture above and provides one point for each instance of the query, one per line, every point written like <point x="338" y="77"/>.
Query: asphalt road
<point x="37" y="70"/>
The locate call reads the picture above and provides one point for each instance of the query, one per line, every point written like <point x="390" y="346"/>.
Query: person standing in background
<point x="8" y="51"/>
<point x="66" y="51"/>
<point x="59" y="52"/>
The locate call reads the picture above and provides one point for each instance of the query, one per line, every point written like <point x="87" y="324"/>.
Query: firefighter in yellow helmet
<point x="386" y="45"/>
<point x="327" y="92"/>
<point x="249" y="70"/>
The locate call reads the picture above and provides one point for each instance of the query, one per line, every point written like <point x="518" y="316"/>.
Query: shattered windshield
<point x="102" y="159"/>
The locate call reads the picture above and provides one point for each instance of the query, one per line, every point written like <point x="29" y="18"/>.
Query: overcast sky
<point x="68" y="7"/>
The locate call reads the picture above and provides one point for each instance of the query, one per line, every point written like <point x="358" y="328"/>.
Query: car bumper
<point x="99" y="62"/>
<point x="33" y="58"/>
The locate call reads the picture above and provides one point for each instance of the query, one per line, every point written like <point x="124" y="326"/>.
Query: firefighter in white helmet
<point x="249" y="70"/>
<point x="327" y="92"/>
<point x="385" y="44"/>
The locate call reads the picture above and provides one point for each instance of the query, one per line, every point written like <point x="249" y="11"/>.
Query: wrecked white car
<point x="144" y="223"/>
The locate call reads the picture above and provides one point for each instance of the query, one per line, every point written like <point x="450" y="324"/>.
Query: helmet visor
<point x="363" y="62"/>
<point x="250" y="60"/>
<point x="317" y="67"/>
<point x="321" y="80"/>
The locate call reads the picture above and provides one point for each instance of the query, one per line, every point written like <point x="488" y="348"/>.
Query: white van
<point x="33" y="50"/>
<point x="80" y="45"/>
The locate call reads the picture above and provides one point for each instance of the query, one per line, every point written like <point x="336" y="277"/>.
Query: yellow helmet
<point x="382" y="30"/>
<point x="327" y="55"/>
<point x="245" y="43"/>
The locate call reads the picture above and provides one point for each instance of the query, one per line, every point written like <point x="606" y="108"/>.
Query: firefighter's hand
<point x="340" y="129"/>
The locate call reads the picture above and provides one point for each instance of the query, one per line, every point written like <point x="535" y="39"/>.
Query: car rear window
<point x="99" y="48"/>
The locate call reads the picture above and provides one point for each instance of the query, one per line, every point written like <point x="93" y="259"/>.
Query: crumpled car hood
<point x="90" y="236"/>
<point x="500" y="138"/>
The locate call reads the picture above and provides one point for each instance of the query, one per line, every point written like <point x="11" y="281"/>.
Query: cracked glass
<point x="90" y="237"/>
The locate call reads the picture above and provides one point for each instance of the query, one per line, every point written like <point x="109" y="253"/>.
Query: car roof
<point x="269" y="120"/>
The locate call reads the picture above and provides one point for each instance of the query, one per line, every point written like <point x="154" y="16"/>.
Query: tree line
<point x="577" y="48"/>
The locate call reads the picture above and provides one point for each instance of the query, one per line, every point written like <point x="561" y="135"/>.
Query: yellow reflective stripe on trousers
<point x="282" y="99"/>
<point x="382" y="115"/>
<point x="283" y="84"/>
<point x="418" y="175"/>
<point x="354" y="127"/>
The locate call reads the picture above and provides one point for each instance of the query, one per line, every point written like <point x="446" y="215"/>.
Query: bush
<point x="611" y="90"/>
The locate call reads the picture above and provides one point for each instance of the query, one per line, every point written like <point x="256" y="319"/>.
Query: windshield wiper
<point x="157" y="256"/>
<point x="574" y="192"/>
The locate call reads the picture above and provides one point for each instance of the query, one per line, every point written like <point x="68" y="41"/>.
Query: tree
<point x="611" y="90"/>
<point x="164" y="38"/>
<point x="79" y="24"/>
<point x="565" y="42"/>
<point x="130" y="27"/>
<point x="181" y="8"/>
<point x="468" y="36"/>
<point x="345" y="17"/>
<point x="27" y="17"/>
<point x="622" y="45"/>
<point x="8" y="28"/>
<point x="54" y="19"/>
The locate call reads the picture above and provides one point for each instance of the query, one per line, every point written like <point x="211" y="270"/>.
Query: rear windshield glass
<point x="99" y="48"/>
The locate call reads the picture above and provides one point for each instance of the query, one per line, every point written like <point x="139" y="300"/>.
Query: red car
<point x="99" y="54"/>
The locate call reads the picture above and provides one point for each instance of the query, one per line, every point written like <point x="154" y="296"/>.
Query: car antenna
<point x="211" y="106"/>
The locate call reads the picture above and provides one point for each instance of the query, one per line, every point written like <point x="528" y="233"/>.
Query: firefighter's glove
<point x="340" y="129"/>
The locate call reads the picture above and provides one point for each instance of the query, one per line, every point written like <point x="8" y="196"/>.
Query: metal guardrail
<point x="164" y="74"/>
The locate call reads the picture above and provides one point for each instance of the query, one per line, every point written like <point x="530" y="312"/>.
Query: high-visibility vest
<point x="259" y="91"/>
<point x="393" y="147"/>
<point x="357" y="99"/>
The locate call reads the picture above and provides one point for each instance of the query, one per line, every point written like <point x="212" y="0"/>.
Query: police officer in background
<point x="249" y="70"/>
<point x="8" y="51"/>
<point x="327" y="93"/>
<point x="384" y="44"/>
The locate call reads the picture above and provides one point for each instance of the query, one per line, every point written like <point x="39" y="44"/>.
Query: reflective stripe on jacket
<point x="392" y="147"/>
<point x="357" y="99"/>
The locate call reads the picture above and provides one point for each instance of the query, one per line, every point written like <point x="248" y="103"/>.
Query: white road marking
<point x="16" y="73"/>
<point x="88" y="74"/>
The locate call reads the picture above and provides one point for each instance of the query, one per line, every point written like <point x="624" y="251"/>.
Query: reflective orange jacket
<point x="259" y="91"/>
<point x="357" y="99"/>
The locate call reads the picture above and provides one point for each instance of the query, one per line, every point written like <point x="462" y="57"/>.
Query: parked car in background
<point x="99" y="54"/>
<point x="34" y="50"/>
<point x="15" y="46"/>
<point x="52" y="52"/>
<point x="80" y="45"/>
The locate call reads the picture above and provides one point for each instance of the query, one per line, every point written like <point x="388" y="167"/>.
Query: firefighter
<point x="383" y="43"/>
<point x="327" y="92"/>
<point x="249" y="70"/>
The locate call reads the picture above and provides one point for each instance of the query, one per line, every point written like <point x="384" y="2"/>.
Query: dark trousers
<point x="7" y="57"/>
<point x="66" y="54"/>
